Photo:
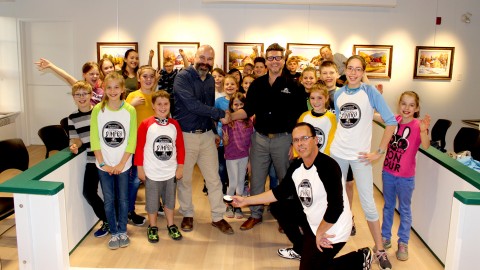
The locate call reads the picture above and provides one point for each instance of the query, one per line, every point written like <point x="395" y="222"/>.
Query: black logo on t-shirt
<point x="305" y="192"/>
<point x="113" y="134"/>
<point x="321" y="137"/>
<point x="163" y="147"/>
<point x="350" y="115"/>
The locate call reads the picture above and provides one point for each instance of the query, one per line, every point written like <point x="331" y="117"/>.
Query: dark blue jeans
<point x="115" y="192"/>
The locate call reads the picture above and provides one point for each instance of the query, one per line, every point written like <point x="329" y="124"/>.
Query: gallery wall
<point x="411" y="23"/>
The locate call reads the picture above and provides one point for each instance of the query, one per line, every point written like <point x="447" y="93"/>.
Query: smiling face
<point x="114" y="90"/>
<point x="237" y="105"/>
<point x="247" y="69"/>
<point x="326" y="53"/>
<point x="304" y="142"/>
<point x="107" y="67"/>
<point x="161" y="107"/>
<point x="329" y="76"/>
<point x="230" y="86"/>
<point x="204" y="59"/>
<point x="168" y="66"/>
<point x="92" y="76"/>
<point x="275" y="66"/>
<point x="82" y="99"/>
<point x="318" y="100"/>
<point x="146" y="77"/>
<point x="407" y="107"/>
<point x="247" y="81"/>
<point x="308" y="79"/>
<point x="132" y="60"/>
<point x="218" y="80"/>
<point x="354" y="72"/>
<point x="259" y="69"/>
<point x="292" y="66"/>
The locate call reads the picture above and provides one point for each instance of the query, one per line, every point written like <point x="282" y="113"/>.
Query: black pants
<point x="90" y="191"/>
<point x="290" y="216"/>
<point x="312" y="258"/>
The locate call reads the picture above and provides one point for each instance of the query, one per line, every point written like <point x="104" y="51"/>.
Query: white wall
<point x="410" y="24"/>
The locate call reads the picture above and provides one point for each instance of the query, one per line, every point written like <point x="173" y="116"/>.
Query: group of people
<point x="302" y="130"/>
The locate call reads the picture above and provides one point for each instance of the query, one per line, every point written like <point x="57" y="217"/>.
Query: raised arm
<point x="184" y="57"/>
<point x="150" y="57"/>
<point x="44" y="63"/>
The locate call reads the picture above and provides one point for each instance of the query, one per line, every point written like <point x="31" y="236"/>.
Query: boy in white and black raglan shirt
<point x="159" y="157"/>
<point x="316" y="180"/>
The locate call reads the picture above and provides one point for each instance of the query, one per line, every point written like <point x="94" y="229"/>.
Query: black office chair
<point x="468" y="139"/>
<point x="439" y="131"/>
<point x="64" y="124"/>
<point x="54" y="137"/>
<point x="13" y="155"/>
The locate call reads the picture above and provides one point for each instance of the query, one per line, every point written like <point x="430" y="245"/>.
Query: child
<point x="140" y="99"/>
<point x="247" y="80"/>
<point x="291" y="68"/>
<point x="247" y="69"/>
<point x="129" y="70"/>
<point x="218" y="75"/>
<point x="398" y="174"/>
<point x="354" y="106"/>
<point x="90" y="73"/>
<point x="113" y="136"/>
<point x="329" y="75"/>
<point x="319" y="117"/>
<point x="160" y="156"/>
<point x="237" y="139"/>
<point x="230" y="87"/>
<point x="79" y="133"/>
<point x="308" y="79"/>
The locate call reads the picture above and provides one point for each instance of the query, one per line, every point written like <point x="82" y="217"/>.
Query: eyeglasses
<point x="301" y="139"/>
<point x="80" y="95"/>
<point x="352" y="69"/>
<point x="278" y="58"/>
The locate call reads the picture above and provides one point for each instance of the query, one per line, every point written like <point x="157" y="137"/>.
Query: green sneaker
<point x="174" y="233"/>
<point x="152" y="234"/>
<point x="387" y="243"/>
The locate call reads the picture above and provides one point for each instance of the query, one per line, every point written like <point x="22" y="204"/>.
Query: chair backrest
<point x="468" y="139"/>
<point x="64" y="124"/>
<point x="54" y="137"/>
<point x="439" y="132"/>
<point x="13" y="155"/>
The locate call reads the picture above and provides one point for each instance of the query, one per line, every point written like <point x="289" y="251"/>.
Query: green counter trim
<point x="28" y="181"/>
<point x="467" y="197"/>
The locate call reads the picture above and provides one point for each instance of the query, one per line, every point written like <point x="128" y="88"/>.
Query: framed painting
<point x="308" y="55"/>
<point x="115" y="51"/>
<point x="433" y="63"/>
<point x="170" y="52"/>
<point x="236" y="54"/>
<point x="378" y="58"/>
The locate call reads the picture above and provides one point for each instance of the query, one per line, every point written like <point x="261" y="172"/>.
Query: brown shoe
<point x="247" y="225"/>
<point x="187" y="224"/>
<point x="223" y="226"/>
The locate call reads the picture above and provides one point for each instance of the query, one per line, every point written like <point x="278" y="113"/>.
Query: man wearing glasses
<point x="276" y="101"/>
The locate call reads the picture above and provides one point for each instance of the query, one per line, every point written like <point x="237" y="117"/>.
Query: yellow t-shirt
<point x="144" y="110"/>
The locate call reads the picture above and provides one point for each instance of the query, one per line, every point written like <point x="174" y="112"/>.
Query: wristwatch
<point x="380" y="151"/>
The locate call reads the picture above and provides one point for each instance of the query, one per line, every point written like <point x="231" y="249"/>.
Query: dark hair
<point x="88" y="66"/>
<point x="248" y="64"/>
<point x="243" y="99"/>
<point x="124" y="66"/>
<point x="259" y="60"/>
<point x="305" y="124"/>
<point x="233" y="70"/>
<point x="275" y="47"/>
<point x="219" y="71"/>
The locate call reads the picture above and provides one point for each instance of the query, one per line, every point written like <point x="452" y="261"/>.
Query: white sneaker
<point x="288" y="253"/>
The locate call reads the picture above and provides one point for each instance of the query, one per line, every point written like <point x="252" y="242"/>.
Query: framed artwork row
<point x="431" y="63"/>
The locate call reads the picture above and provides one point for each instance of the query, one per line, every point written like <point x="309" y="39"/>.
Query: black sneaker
<point x="174" y="233"/>
<point x="160" y="210"/>
<point x="367" y="257"/>
<point x="152" y="234"/>
<point x="103" y="231"/>
<point x="136" y="219"/>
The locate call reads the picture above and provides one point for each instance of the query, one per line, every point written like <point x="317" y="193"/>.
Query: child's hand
<point x="425" y="123"/>
<point x="379" y="88"/>
<point x="151" y="54"/>
<point x="74" y="148"/>
<point x="137" y="101"/>
<point x="368" y="157"/>
<point x="43" y="64"/>
<point x="141" y="173"/>
<point x="225" y="137"/>
<point x="117" y="169"/>
<point x="182" y="53"/>
<point x="217" y="140"/>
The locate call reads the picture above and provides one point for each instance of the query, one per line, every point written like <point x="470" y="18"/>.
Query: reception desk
<point x="52" y="217"/>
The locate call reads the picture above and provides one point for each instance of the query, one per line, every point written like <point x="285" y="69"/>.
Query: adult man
<point x="276" y="101"/>
<point x="194" y="91"/>
<point x="315" y="180"/>
<point x="339" y="60"/>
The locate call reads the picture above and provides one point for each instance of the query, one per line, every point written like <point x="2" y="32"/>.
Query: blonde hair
<point x="114" y="76"/>
<point x="321" y="88"/>
<point x="160" y="94"/>
<point x="142" y="70"/>
<point x="81" y="85"/>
